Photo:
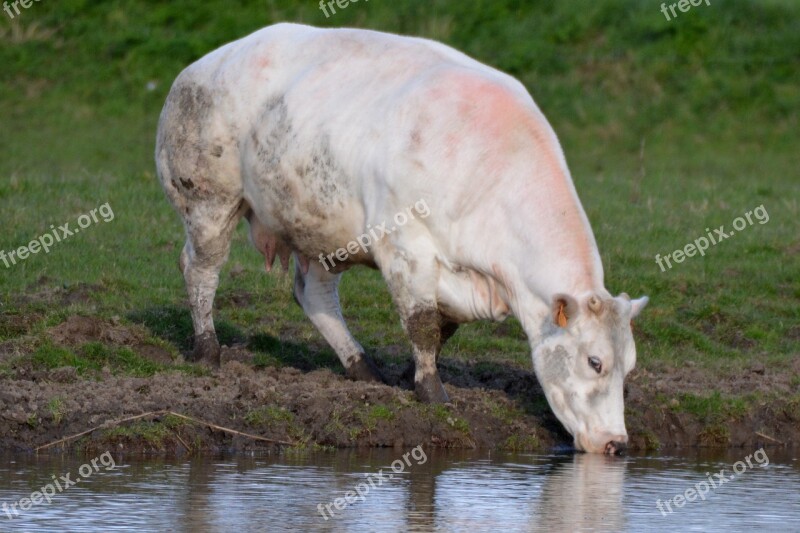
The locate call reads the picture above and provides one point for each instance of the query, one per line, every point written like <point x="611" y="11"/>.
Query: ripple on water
<point x="450" y="492"/>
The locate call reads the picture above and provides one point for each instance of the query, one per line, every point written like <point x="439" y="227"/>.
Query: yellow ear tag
<point x="561" y="318"/>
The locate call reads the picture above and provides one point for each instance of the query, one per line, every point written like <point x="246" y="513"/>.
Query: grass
<point x="668" y="127"/>
<point x="715" y="412"/>
<point x="712" y="408"/>
<point x="153" y="434"/>
<point x="268" y="416"/>
<point x="94" y="356"/>
<point x="651" y="441"/>
<point x="57" y="409"/>
<point x="715" y="435"/>
<point x="443" y="413"/>
<point x="521" y="443"/>
<point x="371" y="415"/>
<point x="276" y="420"/>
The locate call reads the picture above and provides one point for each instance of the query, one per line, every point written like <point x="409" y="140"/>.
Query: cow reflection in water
<point x="579" y="493"/>
<point x="583" y="493"/>
<point x="453" y="490"/>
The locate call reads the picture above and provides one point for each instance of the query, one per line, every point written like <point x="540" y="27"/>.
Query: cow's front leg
<point x="413" y="283"/>
<point x="424" y="327"/>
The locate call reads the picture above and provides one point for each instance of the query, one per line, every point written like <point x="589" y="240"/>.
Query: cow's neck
<point x="552" y="251"/>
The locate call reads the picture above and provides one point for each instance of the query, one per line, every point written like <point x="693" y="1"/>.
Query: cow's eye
<point x="595" y="363"/>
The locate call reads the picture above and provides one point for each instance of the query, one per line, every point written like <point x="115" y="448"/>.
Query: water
<point x="432" y="490"/>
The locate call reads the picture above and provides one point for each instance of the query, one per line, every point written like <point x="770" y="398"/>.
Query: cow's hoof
<point x="431" y="390"/>
<point x="206" y="350"/>
<point x="365" y="370"/>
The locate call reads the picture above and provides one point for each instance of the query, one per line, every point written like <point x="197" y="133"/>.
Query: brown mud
<point x="494" y="405"/>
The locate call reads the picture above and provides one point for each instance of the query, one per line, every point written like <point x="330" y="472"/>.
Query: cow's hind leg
<point x="206" y="250"/>
<point x="317" y="293"/>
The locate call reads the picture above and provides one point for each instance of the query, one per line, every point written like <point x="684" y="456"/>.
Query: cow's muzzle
<point x="616" y="447"/>
<point x="607" y="443"/>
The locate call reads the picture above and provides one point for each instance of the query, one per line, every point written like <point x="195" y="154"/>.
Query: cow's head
<point x="582" y="364"/>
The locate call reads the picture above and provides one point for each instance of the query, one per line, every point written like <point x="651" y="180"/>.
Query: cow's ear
<point x="638" y="305"/>
<point x="564" y="310"/>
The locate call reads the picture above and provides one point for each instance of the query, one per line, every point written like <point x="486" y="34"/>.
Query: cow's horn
<point x="595" y="304"/>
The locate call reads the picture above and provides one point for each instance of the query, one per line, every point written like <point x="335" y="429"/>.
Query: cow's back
<point x="328" y="130"/>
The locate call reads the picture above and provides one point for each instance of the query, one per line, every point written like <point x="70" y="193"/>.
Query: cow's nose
<point x="617" y="445"/>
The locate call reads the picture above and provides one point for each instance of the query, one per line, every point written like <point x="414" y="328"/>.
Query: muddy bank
<point x="494" y="405"/>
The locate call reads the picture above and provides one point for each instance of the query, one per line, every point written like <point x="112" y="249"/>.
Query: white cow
<point x="315" y="134"/>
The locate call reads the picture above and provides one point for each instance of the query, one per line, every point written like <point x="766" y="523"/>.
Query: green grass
<point x="371" y="415"/>
<point x="268" y="416"/>
<point x="715" y="435"/>
<point x="713" y="407"/>
<point x="157" y="434"/>
<point x="714" y="411"/>
<point x="154" y="434"/>
<point x="521" y="443"/>
<point x="668" y="127"/>
<point x="443" y="413"/>
<point x="56" y="408"/>
<point x="506" y="413"/>
<point x="275" y="420"/>
<point x="94" y="356"/>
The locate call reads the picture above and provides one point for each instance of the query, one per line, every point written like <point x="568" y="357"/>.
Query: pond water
<point x="428" y="490"/>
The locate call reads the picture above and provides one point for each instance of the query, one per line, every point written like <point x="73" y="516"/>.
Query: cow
<point x="313" y="135"/>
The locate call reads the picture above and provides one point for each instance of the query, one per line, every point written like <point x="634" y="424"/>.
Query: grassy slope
<point x="712" y="96"/>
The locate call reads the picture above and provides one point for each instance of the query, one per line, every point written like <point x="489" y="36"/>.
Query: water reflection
<point x="451" y="491"/>
<point x="583" y="493"/>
